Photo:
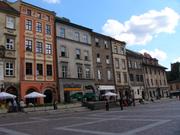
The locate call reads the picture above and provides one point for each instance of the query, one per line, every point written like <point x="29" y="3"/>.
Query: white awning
<point x="106" y="87"/>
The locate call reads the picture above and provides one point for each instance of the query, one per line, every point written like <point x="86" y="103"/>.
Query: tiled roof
<point x="5" y="7"/>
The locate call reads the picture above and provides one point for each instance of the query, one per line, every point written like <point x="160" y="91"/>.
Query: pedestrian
<point x="107" y="105"/>
<point x="10" y="107"/>
<point x="14" y="106"/>
<point x="55" y="105"/>
<point x="22" y="105"/>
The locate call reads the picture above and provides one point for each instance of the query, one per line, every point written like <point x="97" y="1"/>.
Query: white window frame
<point x="11" y="44"/>
<point x="9" y="69"/>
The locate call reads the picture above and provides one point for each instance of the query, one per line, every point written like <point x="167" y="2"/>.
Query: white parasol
<point x="5" y="95"/>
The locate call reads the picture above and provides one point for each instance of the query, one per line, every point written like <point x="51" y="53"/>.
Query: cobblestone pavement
<point x="160" y="118"/>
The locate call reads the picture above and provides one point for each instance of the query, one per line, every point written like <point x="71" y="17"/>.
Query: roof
<point x="156" y="66"/>
<point x="6" y="8"/>
<point x="124" y="43"/>
<point x="68" y="22"/>
<point x="133" y="53"/>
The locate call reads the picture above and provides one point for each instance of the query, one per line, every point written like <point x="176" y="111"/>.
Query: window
<point x="109" y="75"/>
<point x="39" y="15"/>
<point x="28" y="68"/>
<point x="131" y="77"/>
<point x="125" y="77"/>
<point x="62" y="32"/>
<point x="39" y="69"/>
<point x="77" y="36"/>
<point x="147" y="80"/>
<point x="137" y="78"/>
<point x="39" y="48"/>
<point x="79" y="71"/>
<point x="78" y="53"/>
<point x="152" y="82"/>
<point x="48" y="29"/>
<point x="63" y="51"/>
<point x="118" y="76"/>
<point x="28" y="45"/>
<point x="135" y="65"/>
<point x="123" y="64"/>
<point x="28" y="12"/>
<point x="98" y="59"/>
<point x="10" y="22"/>
<point x="115" y="49"/>
<point x="48" y="49"/>
<point x="64" y="70"/>
<point x="117" y="63"/>
<point x="49" y="70"/>
<point x="38" y="27"/>
<point x="122" y="50"/>
<point x="99" y="74"/>
<point x="130" y="64"/>
<point x="48" y="18"/>
<point x="86" y="55"/>
<point x="141" y="78"/>
<point x="107" y="59"/>
<point x="97" y="42"/>
<point x="106" y="44"/>
<point x="10" y="43"/>
<point x="150" y="71"/>
<point x="29" y="25"/>
<point x="85" y="38"/>
<point x="88" y="73"/>
<point x="9" y="69"/>
<point x="138" y="91"/>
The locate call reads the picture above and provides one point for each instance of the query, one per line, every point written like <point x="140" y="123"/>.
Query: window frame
<point x="9" y="69"/>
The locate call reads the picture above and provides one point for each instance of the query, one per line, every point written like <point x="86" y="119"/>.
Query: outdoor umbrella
<point x="34" y="95"/>
<point x="110" y="94"/>
<point x="5" y="95"/>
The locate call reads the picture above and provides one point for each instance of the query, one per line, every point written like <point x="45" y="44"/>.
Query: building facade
<point x="74" y="59"/>
<point x="120" y="68"/>
<point x="136" y="75"/>
<point x="155" y="78"/>
<point x="103" y="63"/>
<point x="9" y="49"/>
<point x="37" y="51"/>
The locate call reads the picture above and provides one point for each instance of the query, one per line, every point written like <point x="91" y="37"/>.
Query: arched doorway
<point x="49" y="96"/>
<point x="30" y="100"/>
<point x="12" y="90"/>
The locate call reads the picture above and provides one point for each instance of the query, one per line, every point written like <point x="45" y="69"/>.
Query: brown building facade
<point x="120" y="67"/>
<point x="155" y="78"/>
<point x="103" y="63"/>
<point x="136" y="75"/>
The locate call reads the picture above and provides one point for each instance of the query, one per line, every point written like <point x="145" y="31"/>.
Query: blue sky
<point x="146" y="25"/>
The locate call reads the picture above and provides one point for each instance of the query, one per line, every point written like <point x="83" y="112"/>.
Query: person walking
<point x="14" y="106"/>
<point x="22" y="105"/>
<point x="107" y="105"/>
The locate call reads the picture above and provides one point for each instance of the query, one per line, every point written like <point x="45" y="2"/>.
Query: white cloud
<point x="176" y="60"/>
<point x="143" y="28"/>
<point x="52" y="1"/>
<point x="158" y="54"/>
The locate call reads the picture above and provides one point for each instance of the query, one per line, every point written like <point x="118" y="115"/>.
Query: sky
<point x="151" y="26"/>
